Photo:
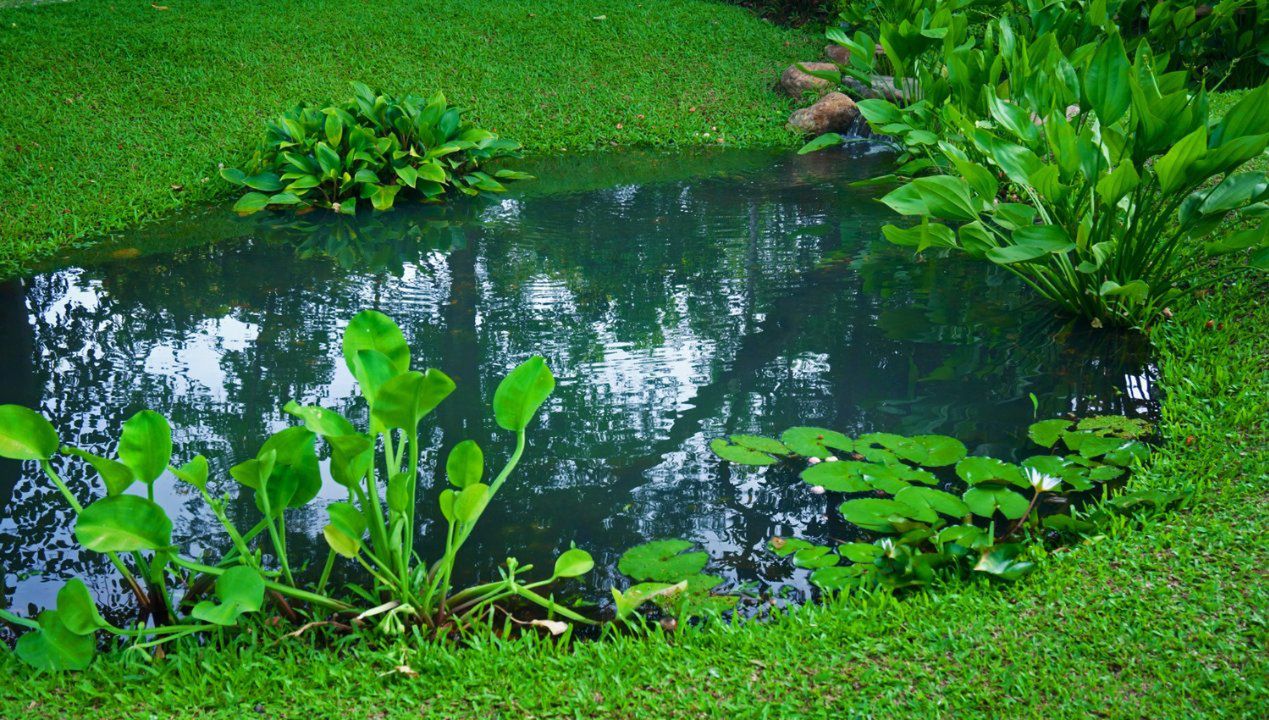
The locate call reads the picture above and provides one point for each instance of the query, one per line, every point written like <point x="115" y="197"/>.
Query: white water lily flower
<point x="817" y="489"/>
<point x="1040" y="481"/>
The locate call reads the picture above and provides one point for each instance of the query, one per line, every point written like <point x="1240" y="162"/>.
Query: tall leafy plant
<point x="1108" y="213"/>
<point x="368" y="150"/>
<point x="375" y="528"/>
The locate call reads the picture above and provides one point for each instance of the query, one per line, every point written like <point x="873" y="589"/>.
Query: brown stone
<point x="836" y="53"/>
<point x="795" y="83"/>
<point x="832" y="113"/>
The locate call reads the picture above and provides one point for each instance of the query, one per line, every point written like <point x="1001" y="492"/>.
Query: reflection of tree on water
<point x="671" y="312"/>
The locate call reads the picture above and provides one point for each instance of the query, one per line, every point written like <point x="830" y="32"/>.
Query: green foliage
<point x="1097" y="177"/>
<point x="375" y="527"/>
<point x="902" y="489"/>
<point x="370" y="148"/>
<point x="672" y="578"/>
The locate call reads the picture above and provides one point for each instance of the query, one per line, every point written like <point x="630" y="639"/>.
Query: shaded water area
<point x="676" y="297"/>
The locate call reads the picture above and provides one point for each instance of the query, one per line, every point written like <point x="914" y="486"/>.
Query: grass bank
<point x="1164" y="621"/>
<point x="115" y="113"/>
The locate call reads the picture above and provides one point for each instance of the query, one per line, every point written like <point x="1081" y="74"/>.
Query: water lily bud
<point x="831" y="458"/>
<point x="817" y="490"/>
<point x="813" y="461"/>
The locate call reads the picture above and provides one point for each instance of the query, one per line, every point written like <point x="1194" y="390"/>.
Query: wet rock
<point x="795" y="83"/>
<point x="832" y="113"/>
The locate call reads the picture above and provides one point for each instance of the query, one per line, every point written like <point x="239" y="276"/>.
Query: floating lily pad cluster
<point x="375" y="528"/>
<point x="670" y="574"/>
<point x="935" y="506"/>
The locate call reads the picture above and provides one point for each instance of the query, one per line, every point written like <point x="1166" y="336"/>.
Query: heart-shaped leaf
<point x="372" y="330"/>
<point x="320" y="420"/>
<point x="25" y="434"/>
<point x="123" y="523"/>
<point x="116" y="476"/>
<point x="521" y="393"/>
<point x="146" y="445"/>
<point x="77" y="610"/>
<point x="194" y="472"/>
<point x="815" y="442"/>
<point x="407" y="398"/>
<point x="662" y="561"/>
<point x="1047" y="432"/>
<point x="240" y="589"/>
<point x="573" y="562"/>
<point x="471" y="501"/>
<point x="986" y="500"/>
<point x="54" y="646"/>
<point x="739" y="454"/>
<point x="465" y="464"/>
<point x="761" y="444"/>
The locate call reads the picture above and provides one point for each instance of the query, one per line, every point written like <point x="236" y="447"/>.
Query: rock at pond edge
<point x="832" y="113"/>
<point x="795" y="83"/>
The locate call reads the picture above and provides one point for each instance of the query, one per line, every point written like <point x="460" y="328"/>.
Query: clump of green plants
<point x="367" y="151"/>
<point x="375" y="528"/>
<point x="1037" y="143"/>
<point x="935" y="511"/>
<point x="671" y="575"/>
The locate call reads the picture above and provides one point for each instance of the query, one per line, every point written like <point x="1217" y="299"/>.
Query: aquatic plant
<point x="375" y="528"/>
<point x="925" y="508"/>
<point x="667" y="574"/>
<point x="370" y="148"/>
<point x="1096" y="179"/>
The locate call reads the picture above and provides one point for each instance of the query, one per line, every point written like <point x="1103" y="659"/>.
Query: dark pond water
<point x="677" y="298"/>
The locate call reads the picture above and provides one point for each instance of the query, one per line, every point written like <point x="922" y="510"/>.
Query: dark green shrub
<point x="370" y="148"/>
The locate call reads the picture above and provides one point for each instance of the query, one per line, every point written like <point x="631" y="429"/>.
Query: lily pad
<point x="935" y="500"/>
<point x="884" y="516"/>
<point x="985" y="500"/>
<point x="841" y="476"/>
<point x="761" y="444"/>
<point x="815" y="442"/>
<point x="739" y="454"/>
<point x="1115" y="425"/>
<point x="662" y="561"/>
<point x="1047" y="432"/>
<point x="940" y="450"/>
<point x="980" y="470"/>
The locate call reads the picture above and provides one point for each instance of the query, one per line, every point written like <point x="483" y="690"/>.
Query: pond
<point x="677" y="298"/>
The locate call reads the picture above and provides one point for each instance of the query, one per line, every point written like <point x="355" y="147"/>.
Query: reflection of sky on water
<point x="673" y="310"/>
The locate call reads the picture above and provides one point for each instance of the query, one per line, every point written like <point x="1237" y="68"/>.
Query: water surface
<point x="676" y="297"/>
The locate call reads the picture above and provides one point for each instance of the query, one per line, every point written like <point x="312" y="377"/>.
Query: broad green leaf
<point x="251" y="202"/>
<point x="372" y="330"/>
<point x="739" y="454"/>
<point x="815" y="442"/>
<point x="146" y="445"/>
<point x="934" y="500"/>
<point x="470" y="502"/>
<point x="841" y="476"/>
<point x="636" y="595"/>
<point x="240" y="589"/>
<point x="194" y="472"/>
<point x="821" y="142"/>
<point x="77" y="610"/>
<point x="761" y="444"/>
<point x="573" y="562"/>
<point x="1118" y="183"/>
<point x="341" y="542"/>
<point x="465" y="464"/>
<point x="320" y="420"/>
<point x="880" y="515"/>
<point x="985" y="500"/>
<point x="123" y="523"/>
<point x="372" y="369"/>
<point x="296" y="476"/>
<point x="521" y="393"/>
<point x="54" y="647"/>
<point x="400" y="491"/>
<point x="662" y="561"/>
<point x="977" y="470"/>
<point x="940" y="450"/>
<point x="1002" y="562"/>
<point x="25" y="434"/>
<point x="1174" y="167"/>
<point x="348" y="518"/>
<point x="1106" y="83"/>
<point x="1047" y="432"/>
<point x="407" y="398"/>
<point x="116" y="476"/>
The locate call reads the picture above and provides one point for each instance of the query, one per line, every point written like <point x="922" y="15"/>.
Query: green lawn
<point x="1162" y="621"/>
<point x="117" y="112"/>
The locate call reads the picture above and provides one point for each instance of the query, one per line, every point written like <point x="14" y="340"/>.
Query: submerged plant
<point x="375" y="528"/>
<point x="370" y="148"/>
<point x="934" y="509"/>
